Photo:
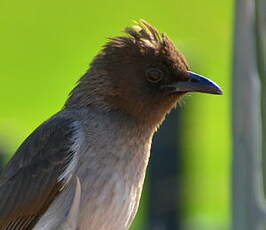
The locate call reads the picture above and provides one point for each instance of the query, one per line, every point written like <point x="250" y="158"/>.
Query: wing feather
<point x="39" y="170"/>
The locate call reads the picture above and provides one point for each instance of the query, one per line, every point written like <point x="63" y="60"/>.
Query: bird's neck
<point x="123" y="146"/>
<point x="144" y="121"/>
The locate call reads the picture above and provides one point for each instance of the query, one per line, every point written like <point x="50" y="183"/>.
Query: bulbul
<point x="83" y="169"/>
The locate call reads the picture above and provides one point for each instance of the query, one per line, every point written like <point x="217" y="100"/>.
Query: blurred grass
<point x="46" y="45"/>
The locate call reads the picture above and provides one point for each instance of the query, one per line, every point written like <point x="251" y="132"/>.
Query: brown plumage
<point x="84" y="168"/>
<point x="122" y="63"/>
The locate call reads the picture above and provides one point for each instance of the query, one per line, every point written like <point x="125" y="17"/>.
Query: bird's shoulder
<point x="48" y="142"/>
<point x="39" y="170"/>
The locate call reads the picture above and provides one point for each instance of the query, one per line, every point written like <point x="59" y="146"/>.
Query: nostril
<point x="195" y="80"/>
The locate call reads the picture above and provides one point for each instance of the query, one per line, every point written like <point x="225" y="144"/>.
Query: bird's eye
<point x="154" y="75"/>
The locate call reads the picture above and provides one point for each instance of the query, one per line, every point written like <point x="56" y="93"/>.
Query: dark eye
<point x="154" y="75"/>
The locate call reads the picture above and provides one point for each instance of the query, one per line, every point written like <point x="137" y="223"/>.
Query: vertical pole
<point x="261" y="64"/>
<point x="164" y="176"/>
<point x="247" y="195"/>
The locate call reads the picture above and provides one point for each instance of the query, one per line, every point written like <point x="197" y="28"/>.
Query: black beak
<point x="195" y="83"/>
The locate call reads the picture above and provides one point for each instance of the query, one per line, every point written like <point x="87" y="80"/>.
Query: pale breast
<point x="112" y="174"/>
<point x="113" y="207"/>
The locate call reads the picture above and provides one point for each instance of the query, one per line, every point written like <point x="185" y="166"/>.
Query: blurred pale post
<point x="249" y="210"/>
<point x="261" y="59"/>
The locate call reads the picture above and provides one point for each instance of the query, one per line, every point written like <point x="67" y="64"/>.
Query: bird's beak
<point x="195" y="83"/>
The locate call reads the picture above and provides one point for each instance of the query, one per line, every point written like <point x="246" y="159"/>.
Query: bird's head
<point x="141" y="74"/>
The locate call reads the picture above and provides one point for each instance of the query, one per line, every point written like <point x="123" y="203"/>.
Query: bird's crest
<point x="142" y="30"/>
<point x="144" y="39"/>
<point x="142" y="35"/>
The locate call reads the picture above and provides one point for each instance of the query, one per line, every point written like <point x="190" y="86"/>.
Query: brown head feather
<point x="116" y="78"/>
<point x="149" y="41"/>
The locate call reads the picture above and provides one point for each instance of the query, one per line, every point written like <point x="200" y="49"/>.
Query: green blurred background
<point x="45" y="46"/>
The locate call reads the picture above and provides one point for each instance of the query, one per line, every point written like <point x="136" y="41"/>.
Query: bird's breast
<point x="112" y="180"/>
<point x="113" y="156"/>
<point x="112" y="207"/>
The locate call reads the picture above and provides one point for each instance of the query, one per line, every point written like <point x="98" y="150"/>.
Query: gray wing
<point x="39" y="170"/>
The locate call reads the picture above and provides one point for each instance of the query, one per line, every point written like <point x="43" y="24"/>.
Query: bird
<point x="84" y="167"/>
